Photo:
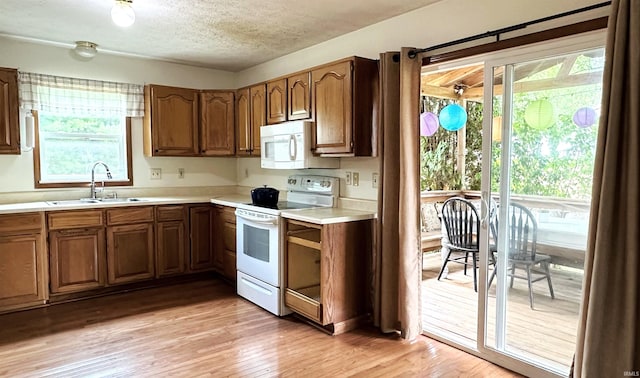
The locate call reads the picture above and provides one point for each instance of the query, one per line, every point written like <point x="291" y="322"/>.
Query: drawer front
<point x="130" y="215"/>
<point x="75" y="219"/>
<point x="169" y="213"/>
<point x="303" y="305"/>
<point x="258" y="292"/>
<point x="20" y="222"/>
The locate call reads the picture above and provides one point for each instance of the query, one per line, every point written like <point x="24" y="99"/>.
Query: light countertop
<point x="63" y="205"/>
<point x="328" y="215"/>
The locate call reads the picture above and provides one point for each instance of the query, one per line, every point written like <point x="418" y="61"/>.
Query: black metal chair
<point x="462" y="225"/>
<point x="522" y="238"/>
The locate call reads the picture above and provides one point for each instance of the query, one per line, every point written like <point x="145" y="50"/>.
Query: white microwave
<point x="288" y="146"/>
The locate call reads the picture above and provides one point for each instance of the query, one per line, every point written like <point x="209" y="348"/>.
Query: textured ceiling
<point x="223" y="34"/>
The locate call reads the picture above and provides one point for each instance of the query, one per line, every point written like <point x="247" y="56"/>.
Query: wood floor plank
<point x="203" y="329"/>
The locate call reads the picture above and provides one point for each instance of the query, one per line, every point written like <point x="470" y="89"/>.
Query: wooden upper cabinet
<point x="243" y="122"/>
<point x="258" y="98"/>
<point x="299" y="96"/>
<point x="344" y="100"/>
<point x="251" y="113"/>
<point x="171" y="121"/>
<point x="9" y="123"/>
<point x="216" y="123"/>
<point x="276" y="101"/>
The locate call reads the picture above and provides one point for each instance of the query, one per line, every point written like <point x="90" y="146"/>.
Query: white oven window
<point x="256" y="243"/>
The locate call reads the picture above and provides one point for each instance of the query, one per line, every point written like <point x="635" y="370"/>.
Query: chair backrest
<point x="461" y="222"/>
<point x="522" y="232"/>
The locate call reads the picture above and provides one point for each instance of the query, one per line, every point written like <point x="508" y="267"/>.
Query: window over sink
<point x="79" y="122"/>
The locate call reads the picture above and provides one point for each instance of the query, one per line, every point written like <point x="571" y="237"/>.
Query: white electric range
<point x="260" y="239"/>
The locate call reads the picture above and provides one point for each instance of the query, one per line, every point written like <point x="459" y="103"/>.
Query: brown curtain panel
<point x="609" y="335"/>
<point x="397" y="265"/>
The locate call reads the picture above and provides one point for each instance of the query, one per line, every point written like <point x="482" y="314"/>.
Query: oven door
<point x="258" y="246"/>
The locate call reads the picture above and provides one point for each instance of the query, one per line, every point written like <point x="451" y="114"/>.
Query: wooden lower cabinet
<point x="130" y="253"/>
<point x="202" y="230"/>
<point x="23" y="273"/>
<point x="229" y="243"/>
<point x="171" y="244"/>
<point x="326" y="272"/>
<point x="77" y="260"/>
<point x="130" y="244"/>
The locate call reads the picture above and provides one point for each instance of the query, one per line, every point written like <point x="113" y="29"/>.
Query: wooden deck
<point x="548" y="332"/>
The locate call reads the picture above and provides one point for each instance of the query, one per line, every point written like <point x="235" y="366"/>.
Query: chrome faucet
<point x="93" y="177"/>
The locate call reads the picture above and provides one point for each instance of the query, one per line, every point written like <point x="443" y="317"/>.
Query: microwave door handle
<point x="293" y="147"/>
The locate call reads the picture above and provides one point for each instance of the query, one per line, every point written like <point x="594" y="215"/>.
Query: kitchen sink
<point x="87" y="201"/>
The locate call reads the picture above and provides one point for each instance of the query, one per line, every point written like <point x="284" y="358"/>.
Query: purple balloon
<point x="584" y="117"/>
<point x="428" y="124"/>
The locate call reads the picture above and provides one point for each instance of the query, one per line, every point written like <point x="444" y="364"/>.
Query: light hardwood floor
<point x="203" y="329"/>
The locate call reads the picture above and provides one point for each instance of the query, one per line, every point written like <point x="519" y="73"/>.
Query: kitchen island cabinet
<point x="23" y="273"/>
<point x="326" y="272"/>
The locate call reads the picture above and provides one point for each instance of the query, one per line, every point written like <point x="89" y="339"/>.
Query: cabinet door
<point x="243" y="122"/>
<point x="276" y="101"/>
<point x="299" y="96"/>
<point x="332" y="107"/>
<point x="258" y="115"/>
<point x="218" y="248"/>
<point x="216" y="124"/>
<point x="170" y="248"/>
<point x="130" y="252"/>
<point x="76" y="260"/>
<point x="9" y="124"/>
<point x="201" y="225"/>
<point x="21" y="265"/>
<point x="229" y="255"/>
<point x="174" y="121"/>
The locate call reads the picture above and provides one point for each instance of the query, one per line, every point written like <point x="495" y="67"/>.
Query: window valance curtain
<point x="80" y="97"/>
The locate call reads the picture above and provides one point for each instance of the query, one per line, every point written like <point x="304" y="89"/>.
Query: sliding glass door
<point x="539" y="108"/>
<point x="542" y="112"/>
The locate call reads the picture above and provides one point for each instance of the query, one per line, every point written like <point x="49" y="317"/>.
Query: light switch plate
<point x="355" y="178"/>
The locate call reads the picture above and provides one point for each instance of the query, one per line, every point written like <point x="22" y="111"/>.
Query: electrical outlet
<point x="155" y="173"/>
<point x="348" y="178"/>
<point x="355" y="178"/>
<point x="180" y="173"/>
<point x="374" y="180"/>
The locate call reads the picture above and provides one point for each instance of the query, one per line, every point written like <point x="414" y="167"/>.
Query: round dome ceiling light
<point x="86" y="49"/>
<point x="122" y="13"/>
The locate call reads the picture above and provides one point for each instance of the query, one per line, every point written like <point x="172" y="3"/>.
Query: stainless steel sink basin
<point x="88" y="201"/>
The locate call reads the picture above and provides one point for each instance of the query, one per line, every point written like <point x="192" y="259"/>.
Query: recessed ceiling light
<point x="86" y="49"/>
<point x="122" y="13"/>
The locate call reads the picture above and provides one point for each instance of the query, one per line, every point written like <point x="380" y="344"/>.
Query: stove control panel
<point x="325" y="185"/>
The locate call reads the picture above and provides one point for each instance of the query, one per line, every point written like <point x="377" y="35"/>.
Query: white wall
<point x="16" y="171"/>
<point x="441" y="22"/>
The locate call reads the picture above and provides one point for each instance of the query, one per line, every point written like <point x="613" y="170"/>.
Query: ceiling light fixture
<point x="86" y="49"/>
<point x="122" y="13"/>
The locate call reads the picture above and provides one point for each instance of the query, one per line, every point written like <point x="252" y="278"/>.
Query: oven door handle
<point x="258" y="220"/>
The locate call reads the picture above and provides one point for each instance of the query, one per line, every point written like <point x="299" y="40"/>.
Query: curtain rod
<point x="496" y="33"/>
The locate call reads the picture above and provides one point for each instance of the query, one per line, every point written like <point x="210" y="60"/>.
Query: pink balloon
<point x="428" y="124"/>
